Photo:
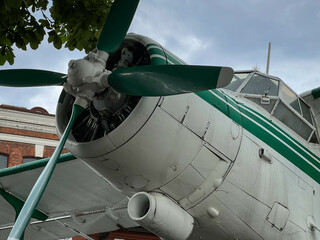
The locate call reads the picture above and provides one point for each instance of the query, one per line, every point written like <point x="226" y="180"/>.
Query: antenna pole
<point x="268" y="59"/>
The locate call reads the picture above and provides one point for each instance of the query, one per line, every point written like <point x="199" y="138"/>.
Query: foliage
<point x="73" y="23"/>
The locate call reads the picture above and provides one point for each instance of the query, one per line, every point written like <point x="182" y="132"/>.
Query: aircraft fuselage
<point x="234" y="168"/>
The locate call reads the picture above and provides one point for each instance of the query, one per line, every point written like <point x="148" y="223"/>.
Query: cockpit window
<point x="279" y="100"/>
<point x="290" y="98"/>
<point x="260" y="85"/>
<point x="237" y="80"/>
<point x="292" y="120"/>
<point x="305" y="111"/>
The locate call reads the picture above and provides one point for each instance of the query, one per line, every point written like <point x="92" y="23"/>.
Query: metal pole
<point x="41" y="184"/>
<point x="268" y="59"/>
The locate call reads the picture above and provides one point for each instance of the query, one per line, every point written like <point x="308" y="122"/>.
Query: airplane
<point x="202" y="152"/>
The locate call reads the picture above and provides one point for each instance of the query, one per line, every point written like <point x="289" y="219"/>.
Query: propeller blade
<point x="163" y="80"/>
<point x="41" y="184"/>
<point x="30" y="78"/>
<point x="117" y="25"/>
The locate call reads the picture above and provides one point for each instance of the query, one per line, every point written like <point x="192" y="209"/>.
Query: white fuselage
<point x="238" y="171"/>
<point x="197" y="149"/>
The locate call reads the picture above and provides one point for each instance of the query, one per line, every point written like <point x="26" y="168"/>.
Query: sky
<point x="205" y="32"/>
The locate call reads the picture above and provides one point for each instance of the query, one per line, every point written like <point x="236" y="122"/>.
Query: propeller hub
<point x="72" y="64"/>
<point x="87" y="76"/>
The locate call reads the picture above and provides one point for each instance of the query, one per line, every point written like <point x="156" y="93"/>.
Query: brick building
<point x="27" y="135"/>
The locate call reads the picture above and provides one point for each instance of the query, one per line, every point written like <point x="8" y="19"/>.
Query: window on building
<point x="29" y="159"/>
<point x="3" y="161"/>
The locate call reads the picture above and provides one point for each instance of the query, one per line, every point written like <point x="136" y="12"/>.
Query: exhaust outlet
<point x="160" y="215"/>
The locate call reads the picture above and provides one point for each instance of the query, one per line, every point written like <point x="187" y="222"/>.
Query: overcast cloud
<point x="207" y="32"/>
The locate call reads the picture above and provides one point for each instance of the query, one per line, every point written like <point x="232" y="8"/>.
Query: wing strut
<point x="42" y="182"/>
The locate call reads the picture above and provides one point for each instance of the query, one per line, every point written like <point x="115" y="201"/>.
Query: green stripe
<point x="215" y="101"/>
<point x="279" y="146"/>
<point x="262" y="133"/>
<point x="158" y="50"/>
<point x="17" y="204"/>
<point x="281" y="133"/>
<point x="158" y="61"/>
<point x="264" y="129"/>
<point x="153" y="45"/>
<point x="33" y="165"/>
<point x="315" y="93"/>
<point x="172" y="59"/>
<point x="234" y="114"/>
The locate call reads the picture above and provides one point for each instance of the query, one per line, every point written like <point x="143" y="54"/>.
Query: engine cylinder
<point x="160" y="215"/>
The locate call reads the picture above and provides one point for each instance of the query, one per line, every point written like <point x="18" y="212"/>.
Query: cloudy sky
<point x="206" y="32"/>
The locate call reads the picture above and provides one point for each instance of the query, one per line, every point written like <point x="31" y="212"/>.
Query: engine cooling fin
<point x="92" y="124"/>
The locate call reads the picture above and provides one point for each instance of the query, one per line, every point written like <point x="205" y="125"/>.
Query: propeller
<point x="112" y="35"/>
<point x="117" y="25"/>
<point x="163" y="80"/>
<point x="30" y="78"/>
<point x="89" y="76"/>
<point x="139" y="81"/>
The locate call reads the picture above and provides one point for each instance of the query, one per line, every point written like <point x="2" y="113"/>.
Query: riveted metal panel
<point x="184" y="184"/>
<point x="278" y="216"/>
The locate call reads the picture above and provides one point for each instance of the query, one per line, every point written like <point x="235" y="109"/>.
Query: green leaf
<point x="52" y="35"/>
<point x="57" y="43"/>
<point x="14" y="3"/>
<point x="3" y="9"/>
<point x="3" y="59"/>
<point x="34" y="45"/>
<point x="44" y="23"/>
<point x="39" y="32"/>
<point x="20" y="42"/>
<point x="76" y="24"/>
<point x="10" y="56"/>
<point x="5" y="41"/>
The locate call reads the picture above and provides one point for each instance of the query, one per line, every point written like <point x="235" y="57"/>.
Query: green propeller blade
<point x="30" y="78"/>
<point x="117" y="25"/>
<point x="165" y="80"/>
<point x="39" y="187"/>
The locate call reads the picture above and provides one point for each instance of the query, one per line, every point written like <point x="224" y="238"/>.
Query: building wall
<point x="26" y="133"/>
<point x="121" y="235"/>
<point x="17" y="151"/>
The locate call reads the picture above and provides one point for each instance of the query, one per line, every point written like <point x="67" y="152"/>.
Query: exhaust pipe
<point x="160" y="215"/>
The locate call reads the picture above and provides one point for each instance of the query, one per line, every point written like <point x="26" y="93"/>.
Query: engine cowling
<point x="96" y="130"/>
<point x="145" y="143"/>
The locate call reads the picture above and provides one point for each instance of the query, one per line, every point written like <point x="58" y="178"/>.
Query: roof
<point x="35" y="110"/>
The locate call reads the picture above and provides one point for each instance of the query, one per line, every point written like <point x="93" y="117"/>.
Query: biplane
<point x="184" y="151"/>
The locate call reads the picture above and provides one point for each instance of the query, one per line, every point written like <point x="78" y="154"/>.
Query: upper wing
<point x="77" y="201"/>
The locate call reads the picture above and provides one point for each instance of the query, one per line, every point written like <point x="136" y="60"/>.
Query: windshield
<point x="237" y="80"/>
<point x="261" y="85"/>
<point x="279" y="100"/>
